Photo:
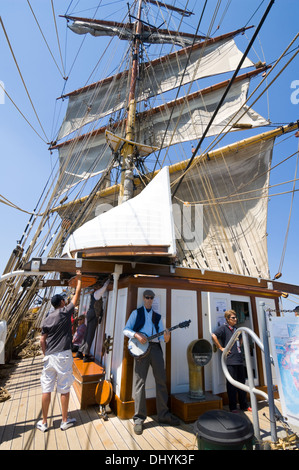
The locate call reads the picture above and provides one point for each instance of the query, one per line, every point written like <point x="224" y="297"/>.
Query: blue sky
<point x="25" y="159"/>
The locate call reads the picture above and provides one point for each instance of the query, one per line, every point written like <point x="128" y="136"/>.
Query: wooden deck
<point x="19" y="415"/>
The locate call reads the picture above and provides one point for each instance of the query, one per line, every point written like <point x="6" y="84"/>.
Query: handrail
<point x="250" y="387"/>
<point x="226" y="350"/>
<point x="21" y="273"/>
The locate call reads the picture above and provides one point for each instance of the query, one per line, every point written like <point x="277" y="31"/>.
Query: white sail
<point x="219" y="211"/>
<point x="166" y="73"/>
<point x="141" y="222"/>
<point x="230" y="192"/>
<point x="83" y="158"/>
<point x="188" y="119"/>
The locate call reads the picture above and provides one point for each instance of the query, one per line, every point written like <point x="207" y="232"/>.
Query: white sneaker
<point x="67" y="424"/>
<point x="42" y="426"/>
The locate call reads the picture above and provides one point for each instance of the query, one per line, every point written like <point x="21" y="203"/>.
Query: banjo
<point x="138" y="349"/>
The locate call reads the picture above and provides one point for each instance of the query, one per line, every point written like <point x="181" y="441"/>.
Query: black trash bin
<point x="222" y="430"/>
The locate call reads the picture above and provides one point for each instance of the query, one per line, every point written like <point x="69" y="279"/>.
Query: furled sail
<point x="143" y="225"/>
<point x="126" y="31"/>
<point x="212" y="57"/>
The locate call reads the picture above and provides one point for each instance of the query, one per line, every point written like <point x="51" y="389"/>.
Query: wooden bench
<point x="87" y="376"/>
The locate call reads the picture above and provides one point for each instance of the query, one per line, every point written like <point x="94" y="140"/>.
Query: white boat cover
<point x="145" y="220"/>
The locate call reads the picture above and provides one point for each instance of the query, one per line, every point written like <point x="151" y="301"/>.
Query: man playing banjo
<point x="143" y="323"/>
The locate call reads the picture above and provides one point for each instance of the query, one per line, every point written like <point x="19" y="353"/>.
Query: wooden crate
<point x="87" y="376"/>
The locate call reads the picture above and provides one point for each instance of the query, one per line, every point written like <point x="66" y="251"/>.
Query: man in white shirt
<point x="143" y="323"/>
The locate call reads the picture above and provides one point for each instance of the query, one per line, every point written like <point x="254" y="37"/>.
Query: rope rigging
<point x="290" y="215"/>
<point x="228" y="87"/>
<point x="23" y="81"/>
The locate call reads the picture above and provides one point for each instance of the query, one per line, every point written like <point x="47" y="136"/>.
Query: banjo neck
<point x="149" y="338"/>
<point x="138" y="349"/>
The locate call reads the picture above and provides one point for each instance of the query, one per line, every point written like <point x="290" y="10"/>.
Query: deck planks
<point x="19" y="415"/>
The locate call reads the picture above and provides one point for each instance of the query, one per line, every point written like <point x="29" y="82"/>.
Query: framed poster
<point x="284" y="334"/>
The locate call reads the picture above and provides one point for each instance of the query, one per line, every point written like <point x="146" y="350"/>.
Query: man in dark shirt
<point x="221" y="337"/>
<point x="56" y="344"/>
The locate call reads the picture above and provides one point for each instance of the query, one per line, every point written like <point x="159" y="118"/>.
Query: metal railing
<point x="274" y="413"/>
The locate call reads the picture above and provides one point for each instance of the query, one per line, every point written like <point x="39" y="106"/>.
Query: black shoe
<point x="138" y="428"/>
<point x="79" y="355"/>
<point x="171" y="420"/>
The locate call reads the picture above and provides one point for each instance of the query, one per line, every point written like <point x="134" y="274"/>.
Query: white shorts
<point x="58" y="367"/>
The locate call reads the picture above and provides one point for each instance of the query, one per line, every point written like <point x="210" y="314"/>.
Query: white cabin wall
<point x="207" y="336"/>
<point x="269" y="304"/>
<point x="159" y="306"/>
<point x="114" y="328"/>
<point x="183" y="308"/>
<point x="118" y="343"/>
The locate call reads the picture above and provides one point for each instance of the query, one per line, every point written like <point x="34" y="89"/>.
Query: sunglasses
<point x="148" y="297"/>
<point x="233" y="318"/>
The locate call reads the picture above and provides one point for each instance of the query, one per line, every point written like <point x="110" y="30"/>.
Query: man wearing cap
<point x="56" y="344"/>
<point x="142" y="323"/>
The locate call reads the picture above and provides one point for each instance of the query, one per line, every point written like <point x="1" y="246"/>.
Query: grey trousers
<point x="155" y="359"/>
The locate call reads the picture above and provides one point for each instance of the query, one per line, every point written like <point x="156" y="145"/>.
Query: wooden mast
<point x="126" y="185"/>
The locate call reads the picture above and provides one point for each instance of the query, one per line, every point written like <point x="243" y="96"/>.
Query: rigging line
<point x="218" y="138"/>
<point x="227" y="126"/>
<point x="179" y="88"/>
<point x="223" y="16"/>
<point x="57" y="36"/>
<point x="289" y="220"/>
<point x="14" y="206"/>
<point x="30" y="222"/>
<point x="227" y="90"/>
<point x="81" y="45"/>
<point x="258" y="177"/>
<point x="253" y="198"/>
<point x="263" y="1"/>
<point x="16" y="63"/>
<point x="8" y="96"/>
<point x="36" y="20"/>
<point x="221" y="199"/>
<point x="69" y="7"/>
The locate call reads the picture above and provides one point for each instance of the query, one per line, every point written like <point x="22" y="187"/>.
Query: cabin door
<point x="217" y="305"/>
<point x="242" y="307"/>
